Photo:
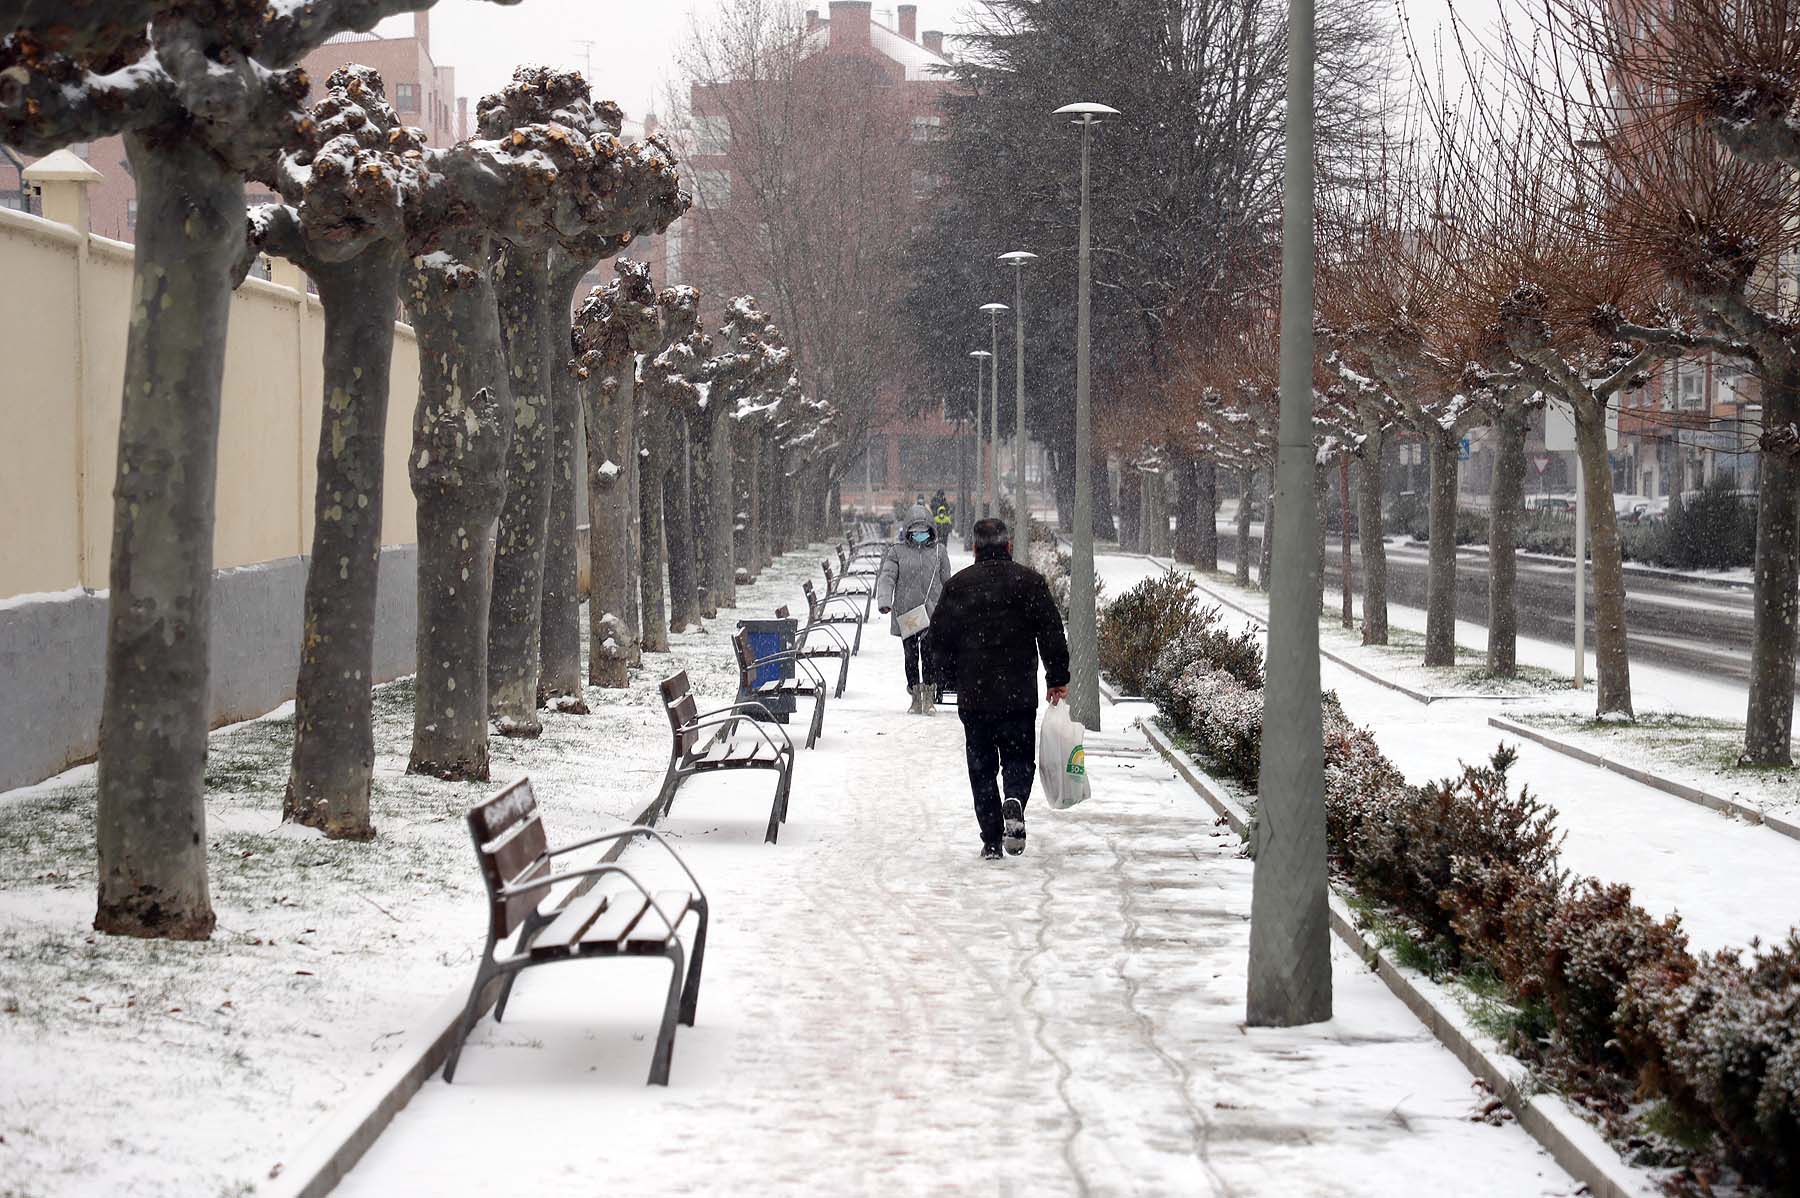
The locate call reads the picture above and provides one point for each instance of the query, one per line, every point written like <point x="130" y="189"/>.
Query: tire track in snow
<point x="1064" y="1073"/>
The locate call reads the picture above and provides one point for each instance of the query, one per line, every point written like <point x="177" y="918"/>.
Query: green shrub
<point x="1709" y="529"/>
<point x="1138" y="625"/>
<point x="1594" y="942"/>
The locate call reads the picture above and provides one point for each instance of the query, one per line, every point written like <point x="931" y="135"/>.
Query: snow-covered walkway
<point x="885" y="1014"/>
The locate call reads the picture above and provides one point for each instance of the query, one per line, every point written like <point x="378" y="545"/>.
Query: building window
<point x="926" y="128"/>
<point x="1690" y="386"/>
<point x="406" y="97"/>
<point x="1730" y="376"/>
<point x="131" y="214"/>
<point x="712" y="189"/>
<point x="923" y="184"/>
<point x="712" y="135"/>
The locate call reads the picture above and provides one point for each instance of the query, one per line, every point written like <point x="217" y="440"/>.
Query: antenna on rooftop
<point x="587" y="59"/>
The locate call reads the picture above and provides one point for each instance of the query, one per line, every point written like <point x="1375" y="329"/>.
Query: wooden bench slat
<point x="573" y="921"/>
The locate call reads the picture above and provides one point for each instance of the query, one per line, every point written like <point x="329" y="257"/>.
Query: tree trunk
<point x="1187" y="511"/>
<point x="1321" y="492"/>
<point x="150" y="828"/>
<point x="611" y="427"/>
<point x="333" y="763"/>
<point x="1769" y="723"/>
<point x="1062" y="482"/>
<point x="1506" y="503"/>
<point x="461" y="429"/>
<point x="678" y="532"/>
<point x="633" y="548"/>
<point x="1371" y="533"/>
<point x="699" y="492"/>
<point x="559" y="648"/>
<point x="522" y="285"/>
<point x="1265" y="566"/>
<point x="721" y="506"/>
<point x="747" y="475"/>
<point x="1131" y="510"/>
<point x="1440" y="574"/>
<point x="653" y="466"/>
<point x="1206" y="521"/>
<point x="1246" y="498"/>
<point x="1613" y="665"/>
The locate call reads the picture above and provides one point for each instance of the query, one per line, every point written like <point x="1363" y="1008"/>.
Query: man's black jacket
<point x="993" y="622"/>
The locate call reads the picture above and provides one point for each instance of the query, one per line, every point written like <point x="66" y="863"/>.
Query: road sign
<point x="1541" y="463"/>
<point x="1559" y="427"/>
<point x="1462" y="450"/>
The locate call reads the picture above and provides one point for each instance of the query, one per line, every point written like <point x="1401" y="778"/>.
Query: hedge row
<point x="1469" y="866"/>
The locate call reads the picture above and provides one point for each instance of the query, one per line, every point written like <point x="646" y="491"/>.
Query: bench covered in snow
<point x="587" y="920"/>
<point x="839" y="648"/>
<point x="778" y="680"/>
<point x="740" y="736"/>
<point x="819" y="611"/>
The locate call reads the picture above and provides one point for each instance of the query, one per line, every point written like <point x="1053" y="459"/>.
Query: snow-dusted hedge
<point x="1606" y="997"/>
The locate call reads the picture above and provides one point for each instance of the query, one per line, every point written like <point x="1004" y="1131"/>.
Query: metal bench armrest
<point x="737" y="717"/>
<point x="621" y="834"/>
<point x="793" y="656"/>
<point x="809" y="629"/>
<point x="592" y="871"/>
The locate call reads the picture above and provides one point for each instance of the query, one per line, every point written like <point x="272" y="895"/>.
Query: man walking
<point x="993" y="623"/>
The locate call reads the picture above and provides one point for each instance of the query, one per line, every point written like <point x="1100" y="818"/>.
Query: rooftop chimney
<point x="850" y="23"/>
<point x="422" y="30"/>
<point x="812" y="19"/>
<point x="909" y="22"/>
<point x="934" y="41"/>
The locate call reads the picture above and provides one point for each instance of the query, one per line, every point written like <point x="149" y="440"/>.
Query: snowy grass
<point x="1696" y="750"/>
<point x="221" y="1053"/>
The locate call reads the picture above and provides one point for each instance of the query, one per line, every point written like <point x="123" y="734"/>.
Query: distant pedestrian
<point x="912" y="576"/>
<point x="940" y="524"/>
<point x="995" y="622"/>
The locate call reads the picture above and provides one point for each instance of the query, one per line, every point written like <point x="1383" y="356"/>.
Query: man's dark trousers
<point x="996" y="744"/>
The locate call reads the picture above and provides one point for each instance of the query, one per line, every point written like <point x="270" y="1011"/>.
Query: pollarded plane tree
<point x="471" y="197"/>
<point x="202" y="91"/>
<point x="1696" y="136"/>
<point x="668" y="394"/>
<point x="616" y="323"/>
<point x="342" y="220"/>
<point x="756" y="417"/>
<point x="624" y="190"/>
<point x="810" y="446"/>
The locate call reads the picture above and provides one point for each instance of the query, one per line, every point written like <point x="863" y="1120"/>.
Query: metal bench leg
<point x="690" y="992"/>
<point x="818" y="720"/>
<point x="786" y="787"/>
<point x="665" y="795"/>
<point x="665" y="1036"/>
<point x="534" y="922"/>
<point x="843" y="674"/>
<point x="484" y="973"/>
<point x="777" y="812"/>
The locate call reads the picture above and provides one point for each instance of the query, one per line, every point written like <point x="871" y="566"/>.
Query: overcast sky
<point x="634" y="41"/>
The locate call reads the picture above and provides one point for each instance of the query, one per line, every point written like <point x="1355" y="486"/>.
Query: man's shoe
<point x="1012" y="821"/>
<point x="990" y="852"/>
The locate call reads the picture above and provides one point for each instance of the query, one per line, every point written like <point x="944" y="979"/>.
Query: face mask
<point x="921" y="538"/>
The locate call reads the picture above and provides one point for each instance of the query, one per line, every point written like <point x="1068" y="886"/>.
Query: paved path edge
<point x="1668" y="786"/>
<point x="1569" y="1139"/>
<point x="314" y="1169"/>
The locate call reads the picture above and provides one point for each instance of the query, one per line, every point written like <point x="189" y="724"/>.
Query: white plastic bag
<point x="1062" y="758"/>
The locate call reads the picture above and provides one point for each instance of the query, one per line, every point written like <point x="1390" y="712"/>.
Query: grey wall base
<point x="53" y="657"/>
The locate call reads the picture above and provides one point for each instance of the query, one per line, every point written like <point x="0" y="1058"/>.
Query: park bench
<point x="726" y="748"/>
<point x="818" y="612"/>
<point x="858" y="589"/>
<point x="517" y="867"/>
<point x="857" y="562"/>
<point x="764" y="680"/>
<point x="839" y="648"/>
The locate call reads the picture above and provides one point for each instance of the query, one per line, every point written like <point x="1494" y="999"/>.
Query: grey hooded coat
<point x="912" y="574"/>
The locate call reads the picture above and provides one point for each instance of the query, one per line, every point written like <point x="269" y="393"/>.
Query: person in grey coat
<point x="913" y="575"/>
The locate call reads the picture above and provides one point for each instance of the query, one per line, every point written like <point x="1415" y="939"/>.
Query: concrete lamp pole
<point x="1290" y="941"/>
<point x="1021" y="509"/>
<point x="979" y="498"/>
<point x="991" y="485"/>
<point x="1084" y="648"/>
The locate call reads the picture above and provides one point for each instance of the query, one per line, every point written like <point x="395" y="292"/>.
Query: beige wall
<point x="63" y="305"/>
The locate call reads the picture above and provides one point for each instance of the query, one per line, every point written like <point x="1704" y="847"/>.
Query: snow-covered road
<point x="885" y="1014"/>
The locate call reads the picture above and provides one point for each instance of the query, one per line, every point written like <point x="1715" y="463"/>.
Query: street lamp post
<point x="1290" y="940"/>
<point x="1021" y="512"/>
<point x="980" y="355"/>
<point x="990" y="493"/>
<point x="1084" y="649"/>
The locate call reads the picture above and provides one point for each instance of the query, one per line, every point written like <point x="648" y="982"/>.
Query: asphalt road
<point x="1695" y="626"/>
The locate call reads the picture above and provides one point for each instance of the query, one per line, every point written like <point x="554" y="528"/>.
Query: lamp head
<point x="980" y="353"/>
<point x="995" y="309"/>
<point x="1086" y="113"/>
<point x="1018" y="257"/>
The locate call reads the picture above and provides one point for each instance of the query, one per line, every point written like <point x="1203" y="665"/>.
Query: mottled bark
<point x="1206" y="519"/>
<point x="611" y="423"/>
<point x="1246" y="499"/>
<point x="1187" y="511"/>
<point x="461" y="429"/>
<point x="748" y="477"/>
<point x="1612" y="660"/>
<point x="1440" y="570"/>
<point x="652" y="562"/>
<point x="1131" y="510"/>
<point x="1506" y="504"/>
<point x="333" y="762"/>
<point x="150" y="826"/>
<point x="1265" y="566"/>
<point x="1371" y="532"/>
<point x="718" y="559"/>
<point x="522" y="286"/>
<point x="559" y="642"/>
<point x="678" y="534"/>
<point x="1105" y="527"/>
<point x="1769" y="721"/>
